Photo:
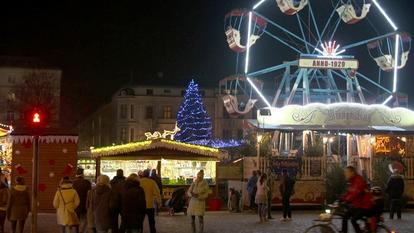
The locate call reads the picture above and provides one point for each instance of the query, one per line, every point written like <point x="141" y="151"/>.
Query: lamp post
<point x="259" y="139"/>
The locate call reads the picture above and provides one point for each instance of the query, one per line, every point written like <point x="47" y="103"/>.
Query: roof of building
<point x="160" y="148"/>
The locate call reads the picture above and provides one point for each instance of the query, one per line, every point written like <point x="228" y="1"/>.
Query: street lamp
<point x="259" y="139"/>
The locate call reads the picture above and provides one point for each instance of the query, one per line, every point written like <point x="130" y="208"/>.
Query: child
<point x="378" y="207"/>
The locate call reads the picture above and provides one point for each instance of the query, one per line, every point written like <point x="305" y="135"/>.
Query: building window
<point x="202" y="93"/>
<point x="123" y="111"/>
<point x="131" y="135"/>
<point x="149" y="112"/>
<point x="123" y="134"/>
<point x="225" y="113"/>
<point x="226" y="134"/>
<point x="167" y="112"/>
<point x="11" y="80"/>
<point x="183" y="93"/>
<point x="132" y="111"/>
<point x="167" y="91"/>
<point x="10" y="116"/>
<point x="239" y="134"/>
<point x="150" y="92"/>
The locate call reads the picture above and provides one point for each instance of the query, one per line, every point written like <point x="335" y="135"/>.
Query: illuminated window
<point x="167" y="112"/>
<point x="149" y="112"/>
<point x="182" y="172"/>
<point x="123" y="111"/>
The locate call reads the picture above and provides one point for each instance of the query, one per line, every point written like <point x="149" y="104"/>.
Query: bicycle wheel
<point x="320" y="228"/>
<point x="383" y="229"/>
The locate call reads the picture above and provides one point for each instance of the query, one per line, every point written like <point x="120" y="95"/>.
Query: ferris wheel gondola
<point x="238" y="94"/>
<point x="351" y="12"/>
<point x="382" y="52"/>
<point x="235" y="21"/>
<point x="291" y="7"/>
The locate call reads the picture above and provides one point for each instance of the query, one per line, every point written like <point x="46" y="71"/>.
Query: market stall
<point x="176" y="162"/>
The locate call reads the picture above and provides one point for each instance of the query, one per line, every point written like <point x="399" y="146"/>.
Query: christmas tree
<point x="192" y="118"/>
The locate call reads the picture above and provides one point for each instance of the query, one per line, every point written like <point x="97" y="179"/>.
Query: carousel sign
<point x="338" y="114"/>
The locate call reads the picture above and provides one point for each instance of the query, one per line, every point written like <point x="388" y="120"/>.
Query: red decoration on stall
<point x="20" y="169"/>
<point x="52" y="162"/>
<point x="42" y="187"/>
<point x="27" y="145"/>
<point x="67" y="170"/>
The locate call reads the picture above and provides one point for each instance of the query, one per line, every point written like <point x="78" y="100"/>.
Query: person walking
<point x="91" y="228"/>
<point x="133" y="205"/>
<point x="65" y="202"/>
<point x="270" y="184"/>
<point x="152" y="195"/>
<point x="395" y="189"/>
<point x="117" y="185"/>
<point x="261" y="197"/>
<point x="198" y="193"/>
<point x="101" y="204"/>
<point x="286" y="189"/>
<point x="18" y="206"/>
<point x="252" y="188"/>
<point x="154" y="176"/>
<point x="82" y="187"/>
<point x="4" y="197"/>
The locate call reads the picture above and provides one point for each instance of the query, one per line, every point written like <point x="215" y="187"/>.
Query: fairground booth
<point x="309" y="140"/>
<point x="177" y="163"/>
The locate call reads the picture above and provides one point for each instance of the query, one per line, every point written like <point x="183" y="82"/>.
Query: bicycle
<point x="325" y="223"/>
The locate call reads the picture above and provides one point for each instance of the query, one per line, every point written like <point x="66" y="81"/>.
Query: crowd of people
<point x="82" y="208"/>
<point x="261" y="187"/>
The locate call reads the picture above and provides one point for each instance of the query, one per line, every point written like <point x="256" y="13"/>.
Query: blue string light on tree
<point x="192" y="118"/>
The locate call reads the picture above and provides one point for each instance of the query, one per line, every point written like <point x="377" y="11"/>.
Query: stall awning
<point x="339" y="128"/>
<point x="159" y="148"/>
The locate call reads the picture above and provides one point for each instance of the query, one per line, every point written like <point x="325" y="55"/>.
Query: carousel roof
<point x="160" y="148"/>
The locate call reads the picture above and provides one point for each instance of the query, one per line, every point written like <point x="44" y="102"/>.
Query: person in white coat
<point x="65" y="202"/>
<point x="198" y="192"/>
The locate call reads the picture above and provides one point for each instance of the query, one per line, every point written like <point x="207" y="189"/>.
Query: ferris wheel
<point x="327" y="53"/>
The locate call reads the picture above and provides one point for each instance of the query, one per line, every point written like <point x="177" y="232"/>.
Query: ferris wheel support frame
<point x="319" y="41"/>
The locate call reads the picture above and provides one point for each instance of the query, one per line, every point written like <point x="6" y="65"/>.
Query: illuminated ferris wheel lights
<point x="330" y="49"/>
<point x="246" y="66"/>
<point x="259" y="93"/>
<point x="385" y="15"/>
<point x="397" y="43"/>
<point x="258" y="4"/>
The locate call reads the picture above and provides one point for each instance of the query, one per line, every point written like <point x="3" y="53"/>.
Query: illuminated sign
<point x="321" y="62"/>
<point x="158" y="135"/>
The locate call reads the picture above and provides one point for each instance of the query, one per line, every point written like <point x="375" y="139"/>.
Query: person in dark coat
<point x="102" y="203"/>
<point x="252" y="189"/>
<point x="18" y="206"/>
<point x="82" y="187"/>
<point x="287" y="189"/>
<point x="395" y="189"/>
<point x="133" y="205"/>
<point x="117" y="184"/>
<point x="154" y="176"/>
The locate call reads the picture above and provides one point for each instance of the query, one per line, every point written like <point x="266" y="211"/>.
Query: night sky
<point x="103" y="47"/>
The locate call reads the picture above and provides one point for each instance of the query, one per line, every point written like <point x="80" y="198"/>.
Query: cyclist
<point x="358" y="197"/>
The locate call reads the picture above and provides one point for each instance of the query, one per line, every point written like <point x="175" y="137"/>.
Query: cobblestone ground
<point x="224" y="222"/>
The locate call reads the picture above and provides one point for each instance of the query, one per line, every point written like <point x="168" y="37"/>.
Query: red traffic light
<point x="36" y="117"/>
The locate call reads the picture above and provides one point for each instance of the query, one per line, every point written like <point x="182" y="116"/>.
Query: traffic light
<point x="36" y="121"/>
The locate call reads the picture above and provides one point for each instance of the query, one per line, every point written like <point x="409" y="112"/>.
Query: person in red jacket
<point x="358" y="197"/>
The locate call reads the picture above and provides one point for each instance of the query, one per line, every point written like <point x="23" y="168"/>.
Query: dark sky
<point x="103" y="47"/>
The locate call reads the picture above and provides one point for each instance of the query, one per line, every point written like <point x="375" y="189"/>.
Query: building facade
<point x="136" y="110"/>
<point x="13" y="71"/>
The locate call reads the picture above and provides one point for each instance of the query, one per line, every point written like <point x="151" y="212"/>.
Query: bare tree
<point x="37" y="90"/>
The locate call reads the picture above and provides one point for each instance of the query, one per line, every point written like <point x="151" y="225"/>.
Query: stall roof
<point x="159" y="148"/>
<point x="372" y="129"/>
